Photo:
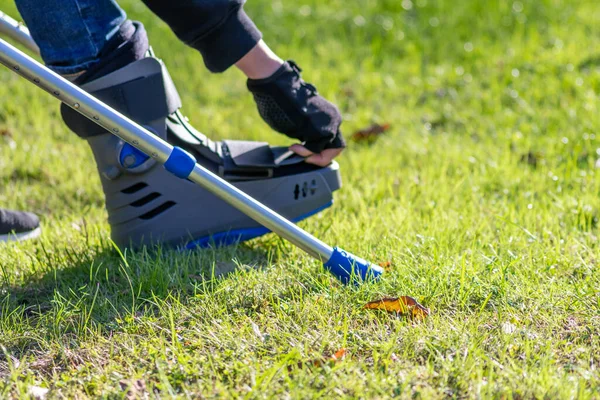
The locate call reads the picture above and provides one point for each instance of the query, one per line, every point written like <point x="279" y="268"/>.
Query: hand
<point x="321" y="159"/>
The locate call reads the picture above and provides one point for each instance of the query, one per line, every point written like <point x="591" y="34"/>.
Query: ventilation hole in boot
<point x="313" y="187"/>
<point x="145" y="200"/>
<point x="134" y="188"/>
<point x="158" y="210"/>
<point x="297" y="192"/>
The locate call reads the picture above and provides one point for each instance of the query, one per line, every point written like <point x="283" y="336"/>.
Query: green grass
<point x="484" y="194"/>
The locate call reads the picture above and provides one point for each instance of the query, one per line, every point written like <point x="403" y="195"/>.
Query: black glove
<point x="293" y="107"/>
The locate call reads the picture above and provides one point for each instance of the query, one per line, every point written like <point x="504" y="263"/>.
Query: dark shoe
<point x="293" y="107"/>
<point x="18" y="225"/>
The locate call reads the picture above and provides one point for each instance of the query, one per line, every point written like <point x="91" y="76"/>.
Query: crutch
<point x="345" y="266"/>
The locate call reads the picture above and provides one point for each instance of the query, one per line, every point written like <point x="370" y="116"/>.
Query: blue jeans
<point x="72" y="33"/>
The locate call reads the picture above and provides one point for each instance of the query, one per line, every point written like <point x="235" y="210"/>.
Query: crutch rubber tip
<point x="349" y="268"/>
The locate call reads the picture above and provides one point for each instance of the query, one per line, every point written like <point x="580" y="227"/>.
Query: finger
<point x="301" y="150"/>
<point x="324" y="158"/>
<point x="318" y="159"/>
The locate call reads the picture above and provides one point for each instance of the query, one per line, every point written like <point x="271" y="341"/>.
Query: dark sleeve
<point x="219" y="29"/>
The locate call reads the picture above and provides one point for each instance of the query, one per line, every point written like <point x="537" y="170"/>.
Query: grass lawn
<point x="484" y="195"/>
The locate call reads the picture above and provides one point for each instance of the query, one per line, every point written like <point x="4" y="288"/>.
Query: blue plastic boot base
<point x="228" y="238"/>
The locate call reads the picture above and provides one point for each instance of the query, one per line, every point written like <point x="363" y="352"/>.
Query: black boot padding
<point x="142" y="98"/>
<point x="127" y="46"/>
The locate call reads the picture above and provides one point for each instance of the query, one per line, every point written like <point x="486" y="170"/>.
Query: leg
<point x="145" y="203"/>
<point x="74" y="44"/>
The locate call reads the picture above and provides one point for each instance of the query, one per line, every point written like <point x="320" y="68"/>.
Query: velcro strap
<point x="245" y="158"/>
<point x="249" y="154"/>
<point x="143" y="100"/>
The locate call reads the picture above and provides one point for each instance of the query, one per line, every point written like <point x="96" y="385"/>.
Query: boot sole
<point x="20" y="237"/>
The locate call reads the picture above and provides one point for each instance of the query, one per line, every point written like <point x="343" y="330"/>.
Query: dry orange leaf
<point x="319" y="362"/>
<point x="386" y="265"/>
<point x="335" y="357"/>
<point x="370" y="133"/>
<point x="339" y="355"/>
<point x="404" y="305"/>
<point x="5" y="132"/>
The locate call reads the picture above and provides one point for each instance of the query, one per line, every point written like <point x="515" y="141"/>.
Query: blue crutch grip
<point x="347" y="267"/>
<point x="180" y="163"/>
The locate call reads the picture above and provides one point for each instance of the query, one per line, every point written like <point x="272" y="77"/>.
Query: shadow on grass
<point x="132" y="274"/>
<point x="82" y="294"/>
<point x="93" y="293"/>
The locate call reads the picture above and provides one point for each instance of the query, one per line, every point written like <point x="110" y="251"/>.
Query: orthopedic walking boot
<point x="145" y="203"/>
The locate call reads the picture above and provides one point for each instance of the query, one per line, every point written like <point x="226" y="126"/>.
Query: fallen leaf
<point x="370" y="133"/>
<point x="404" y="305"/>
<point x="386" y="265"/>
<point x="335" y="357"/>
<point x="320" y="362"/>
<point x="6" y="133"/>
<point x="339" y="355"/>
